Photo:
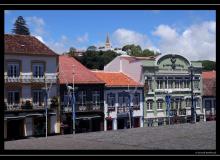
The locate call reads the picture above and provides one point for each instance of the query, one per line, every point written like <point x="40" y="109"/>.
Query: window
<point x="82" y="97"/>
<point x="159" y="104"/>
<point x="186" y="84"/>
<point x="150" y="122"/>
<point x="188" y="102"/>
<point x="38" y="97"/>
<point x="13" y="97"/>
<point x="178" y="104"/>
<point x="136" y="99"/>
<point x="208" y="104"/>
<point x="111" y="99"/>
<point x="159" y="84"/>
<point x="96" y="98"/>
<point x="13" y="70"/>
<point x="120" y="100"/>
<point x="123" y="99"/>
<point x="197" y="103"/>
<point x="177" y="83"/>
<point x="196" y="84"/>
<point x="149" y="105"/>
<point x="38" y="70"/>
<point x="127" y="100"/>
<point x="170" y="83"/>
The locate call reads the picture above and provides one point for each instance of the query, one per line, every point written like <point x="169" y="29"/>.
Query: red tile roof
<point x="116" y="79"/>
<point x="24" y="44"/>
<point x="209" y="83"/>
<point x="81" y="73"/>
<point x="209" y="74"/>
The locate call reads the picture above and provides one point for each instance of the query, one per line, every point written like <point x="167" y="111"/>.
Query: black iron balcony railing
<point x="123" y="109"/>
<point x="111" y="108"/>
<point x="173" y="112"/>
<point x="84" y="107"/>
<point x="182" y="111"/>
<point x="136" y="107"/>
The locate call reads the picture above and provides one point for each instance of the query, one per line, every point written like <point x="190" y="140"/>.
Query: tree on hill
<point x="91" y="48"/>
<point x="208" y="65"/>
<point x="20" y="27"/>
<point x="96" y="59"/>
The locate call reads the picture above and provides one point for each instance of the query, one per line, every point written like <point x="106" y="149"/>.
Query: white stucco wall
<point x="113" y="114"/>
<point x="28" y="129"/>
<point x="114" y="65"/>
<point x="132" y="69"/>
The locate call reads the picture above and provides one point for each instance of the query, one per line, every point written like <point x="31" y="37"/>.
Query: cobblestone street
<point x="181" y="136"/>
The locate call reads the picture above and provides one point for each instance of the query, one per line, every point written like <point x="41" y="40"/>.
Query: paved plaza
<point x="197" y="136"/>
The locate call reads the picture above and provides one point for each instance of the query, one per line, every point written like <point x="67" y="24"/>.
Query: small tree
<point x="20" y="27"/>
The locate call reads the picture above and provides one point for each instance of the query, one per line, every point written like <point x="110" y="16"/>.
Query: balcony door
<point x="13" y="69"/>
<point x="13" y="97"/>
<point x="38" y="70"/>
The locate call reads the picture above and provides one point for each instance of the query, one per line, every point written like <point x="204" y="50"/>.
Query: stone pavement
<point x="199" y="136"/>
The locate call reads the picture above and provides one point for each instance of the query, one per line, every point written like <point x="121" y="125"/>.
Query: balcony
<point x="173" y="112"/>
<point x="123" y="109"/>
<point x="13" y="107"/>
<point x="87" y="107"/>
<point x="182" y="112"/>
<point x="173" y="90"/>
<point x="136" y="107"/>
<point x="13" y="79"/>
<point x="111" y="108"/>
<point x="28" y="78"/>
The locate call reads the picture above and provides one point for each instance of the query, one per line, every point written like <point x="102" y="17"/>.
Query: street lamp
<point x="193" y="110"/>
<point x="45" y="93"/>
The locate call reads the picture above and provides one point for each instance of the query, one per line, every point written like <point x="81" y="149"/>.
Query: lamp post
<point x="168" y="97"/>
<point x="193" y="110"/>
<point x="45" y="93"/>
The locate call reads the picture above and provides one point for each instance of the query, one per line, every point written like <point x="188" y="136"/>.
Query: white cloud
<point x="196" y="42"/>
<point x="40" y="38"/>
<point x="59" y="46"/>
<point x="83" y="38"/>
<point x="37" y="24"/>
<point x="166" y="32"/>
<point x="123" y="37"/>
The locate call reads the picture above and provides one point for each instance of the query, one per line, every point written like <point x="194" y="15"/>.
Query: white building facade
<point x="29" y="67"/>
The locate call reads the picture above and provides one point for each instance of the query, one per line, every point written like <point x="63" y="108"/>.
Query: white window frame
<point x="13" y="69"/>
<point x="12" y="97"/>
<point x="159" y="105"/>
<point x="111" y="99"/>
<point x="149" y="106"/>
<point x="39" y="93"/>
<point x="38" y="68"/>
<point x="82" y="95"/>
<point x="96" y="98"/>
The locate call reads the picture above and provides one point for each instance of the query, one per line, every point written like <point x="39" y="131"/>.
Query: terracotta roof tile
<point x="81" y="73"/>
<point x="24" y="44"/>
<point x="116" y="79"/>
<point x="209" y="83"/>
<point x="209" y="75"/>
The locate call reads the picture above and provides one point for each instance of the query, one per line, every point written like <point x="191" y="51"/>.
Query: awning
<point x="86" y="117"/>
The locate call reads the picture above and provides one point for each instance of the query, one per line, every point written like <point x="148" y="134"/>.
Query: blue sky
<point x="161" y="30"/>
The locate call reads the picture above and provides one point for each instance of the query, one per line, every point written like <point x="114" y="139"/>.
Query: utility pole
<point x="193" y="115"/>
<point x="73" y="103"/>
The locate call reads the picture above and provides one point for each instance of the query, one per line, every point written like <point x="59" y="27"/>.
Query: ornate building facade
<point x="160" y="75"/>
